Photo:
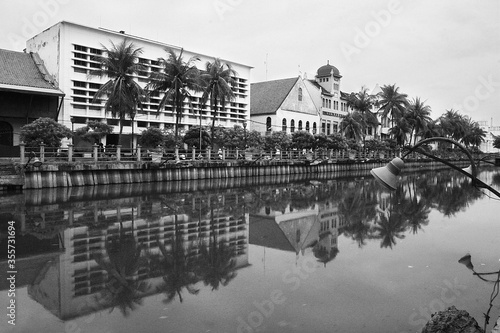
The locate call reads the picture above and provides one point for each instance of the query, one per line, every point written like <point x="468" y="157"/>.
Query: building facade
<point x="332" y="104"/>
<point x="27" y="92"/>
<point x="68" y="52"/>
<point x="299" y="104"/>
<point x="283" y="105"/>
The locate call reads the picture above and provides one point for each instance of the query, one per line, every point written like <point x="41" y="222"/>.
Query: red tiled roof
<point x="266" y="97"/>
<point x="24" y="71"/>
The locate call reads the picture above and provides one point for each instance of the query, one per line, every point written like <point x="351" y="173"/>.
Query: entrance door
<point x="6" y="134"/>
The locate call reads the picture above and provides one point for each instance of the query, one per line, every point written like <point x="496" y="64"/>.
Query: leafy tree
<point x="192" y="137"/>
<point x="277" y="140"/>
<point x="152" y="137"/>
<point x="44" y="130"/>
<point x="176" y="81"/>
<point x="218" y="136"/>
<point x="496" y="142"/>
<point x="216" y="81"/>
<point x="338" y="141"/>
<point x="321" y="141"/>
<point x="94" y="131"/>
<point x="122" y="93"/>
<point x="302" y="140"/>
<point x="255" y="139"/>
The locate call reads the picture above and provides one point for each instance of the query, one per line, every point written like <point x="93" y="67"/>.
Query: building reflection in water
<point x="105" y="247"/>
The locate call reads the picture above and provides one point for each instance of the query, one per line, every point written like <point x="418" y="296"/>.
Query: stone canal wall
<point x="75" y="174"/>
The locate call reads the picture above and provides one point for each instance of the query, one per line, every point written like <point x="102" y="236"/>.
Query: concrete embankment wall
<point x="68" y="175"/>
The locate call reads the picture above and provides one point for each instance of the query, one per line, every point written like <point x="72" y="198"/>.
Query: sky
<point x="446" y="52"/>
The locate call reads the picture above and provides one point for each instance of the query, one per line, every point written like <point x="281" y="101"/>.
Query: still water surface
<point x="289" y="254"/>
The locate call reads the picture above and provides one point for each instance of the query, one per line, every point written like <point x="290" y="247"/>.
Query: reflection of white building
<point x="70" y="285"/>
<point x="313" y="230"/>
<point x="68" y="52"/>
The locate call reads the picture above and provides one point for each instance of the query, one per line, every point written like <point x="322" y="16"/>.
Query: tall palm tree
<point x="392" y="103"/>
<point x="418" y="116"/>
<point x="217" y="80"/>
<point x="176" y="82"/>
<point x="123" y="94"/>
<point x="363" y="102"/>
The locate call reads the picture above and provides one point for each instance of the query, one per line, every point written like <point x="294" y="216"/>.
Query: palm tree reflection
<point x="216" y="266"/>
<point x="121" y="261"/>
<point x="177" y="266"/>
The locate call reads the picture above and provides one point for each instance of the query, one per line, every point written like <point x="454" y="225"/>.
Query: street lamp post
<point x="245" y="133"/>
<point x="72" y="129"/>
<point x="388" y="174"/>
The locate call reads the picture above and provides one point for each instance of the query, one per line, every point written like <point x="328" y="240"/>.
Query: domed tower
<point x="328" y="77"/>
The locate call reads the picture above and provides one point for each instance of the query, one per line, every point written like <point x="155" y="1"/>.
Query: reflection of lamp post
<point x="245" y="133"/>
<point x="387" y="175"/>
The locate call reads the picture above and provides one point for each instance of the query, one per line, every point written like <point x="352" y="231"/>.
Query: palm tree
<point x="217" y="80"/>
<point x="123" y="94"/>
<point x="418" y="116"/>
<point x="453" y="124"/>
<point x="363" y="102"/>
<point x="351" y="126"/>
<point x="217" y="266"/>
<point x="400" y="131"/>
<point x="176" y="81"/>
<point x="178" y="269"/>
<point x="392" y="103"/>
<point x="122" y="262"/>
<point x="474" y="135"/>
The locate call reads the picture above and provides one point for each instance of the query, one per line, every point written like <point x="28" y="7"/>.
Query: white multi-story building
<point x="68" y="51"/>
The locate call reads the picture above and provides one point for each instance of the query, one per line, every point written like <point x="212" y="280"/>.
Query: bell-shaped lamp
<point x="468" y="169"/>
<point x="388" y="175"/>
<point x="36" y="162"/>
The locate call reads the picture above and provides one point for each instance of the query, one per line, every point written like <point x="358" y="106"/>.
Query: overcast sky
<point x="445" y="52"/>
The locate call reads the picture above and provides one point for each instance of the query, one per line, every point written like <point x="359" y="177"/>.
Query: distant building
<point x="332" y="103"/>
<point x="299" y="104"/>
<point x="67" y="50"/>
<point x="491" y="133"/>
<point x="283" y="105"/>
<point x="27" y="92"/>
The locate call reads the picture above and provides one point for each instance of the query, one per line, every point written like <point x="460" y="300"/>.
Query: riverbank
<point x="103" y="173"/>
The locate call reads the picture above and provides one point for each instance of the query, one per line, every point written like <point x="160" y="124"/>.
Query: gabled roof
<point x="25" y="72"/>
<point x="266" y="97"/>
<point x="323" y="90"/>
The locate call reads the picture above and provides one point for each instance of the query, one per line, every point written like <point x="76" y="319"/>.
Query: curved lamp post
<point x="388" y="175"/>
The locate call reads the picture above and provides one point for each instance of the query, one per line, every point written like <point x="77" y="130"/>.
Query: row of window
<point x="292" y="125"/>
<point x="327" y="104"/>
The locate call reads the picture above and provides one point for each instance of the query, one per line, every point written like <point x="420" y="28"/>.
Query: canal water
<point x="282" y="254"/>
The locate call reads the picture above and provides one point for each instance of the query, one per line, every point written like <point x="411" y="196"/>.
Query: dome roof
<point x="326" y="70"/>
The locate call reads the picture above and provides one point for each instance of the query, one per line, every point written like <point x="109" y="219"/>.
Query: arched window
<point x="300" y="125"/>
<point x="307" y="126"/>
<point x="6" y="134"/>
<point x="300" y="94"/>
<point x="283" y="125"/>
<point x="268" y="124"/>
<point x="314" y="128"/>
<point x="292" y="126"/>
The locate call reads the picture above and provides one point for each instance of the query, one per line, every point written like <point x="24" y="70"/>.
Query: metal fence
<point x="97" y="153"/>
